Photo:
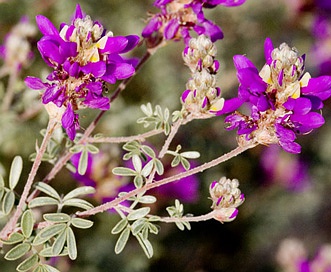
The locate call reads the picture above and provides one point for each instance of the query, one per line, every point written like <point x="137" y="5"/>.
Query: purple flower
<point x="83" y="56"/>
<point x="178" y="17"/>
<point x="283" y="100"/>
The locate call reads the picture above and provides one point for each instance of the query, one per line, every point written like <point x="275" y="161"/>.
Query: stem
<point x="40" y="152"/>
<point x="9" y="95"/>
<point x="106" y="206"/>
<point x="198" y="218"/>
<point x="172" y="134"/>
<point x="117" y="140"/>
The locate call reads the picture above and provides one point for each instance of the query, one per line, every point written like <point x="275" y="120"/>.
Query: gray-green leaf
<point x="147" y="199"/>
<point x="43" y="201"/>
<point x="81" y="223"/>
<point x="119" y="226"/>
<point x="139" y="213"/>
<point x="79" y="203"/>
<point x="57" y="217"/>
<point x="48" y="190"/>
<point x="82" y="164"/>
<point x="17" y="252"/>
<point x="190" y="154"/>
<point x="123" y="171"/>
<point x="27" y="223"/>
<point x="59" y="243"/>
<point x="122" y="240"/>
<point x="146" y="246"/>
<point x="8" y="202"/>
<point x="14" y="238"/>
<point x="50" y="268"/>
<point x="71" y="243"/>
<point x="28" y="264"/>
<point x="85" y="190"/>
<point x="15" y="172"/>
<point x="47" y="233"/>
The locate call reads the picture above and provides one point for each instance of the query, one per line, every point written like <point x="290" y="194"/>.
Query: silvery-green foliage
<point x="182" y="158"/>
<point x="158" y="118"/>
<point x="84" y="149"/>
<point x="7" y="194"/>
<point x="177" y="211"/>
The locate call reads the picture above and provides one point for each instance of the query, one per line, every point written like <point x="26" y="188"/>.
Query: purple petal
<point x="78" y="12"/>
<point x="101" y="103"/>
<point x="51" y="93"/>
<point x="268" y="47"/>
<point x="299" y="106"/>
<point x="212" y="30"/>
<point x="153" y="25"/>
<point x="123" y="70"/>
<point x="230" y="105"/>
<point x="171" y="29"/>
<point x="310" y="120"/>
<point x="185" y="94"/>
<point x="114" y="45"/>
<point x="97" y="69"/>
<point x="285" y="134"/>
<point x="133" y="40"/>
<point x="34" y="83"/>
<point x="291" y="147"/>
<point x="319" y="86"/>
<point x="227" y="3"/>
<point x="94" y="87"/>
<point x="68" y="117"/>
<point x="46" y="26"/>
<point x="241" y="62"/>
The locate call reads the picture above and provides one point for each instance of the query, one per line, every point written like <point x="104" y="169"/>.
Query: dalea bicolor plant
<point x="283" y="102"/>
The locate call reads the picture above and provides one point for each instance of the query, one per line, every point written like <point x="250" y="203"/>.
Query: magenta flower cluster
<point x="83" y="56"/>
<point x="283" y="100"/>
<point x="178" y="17"/>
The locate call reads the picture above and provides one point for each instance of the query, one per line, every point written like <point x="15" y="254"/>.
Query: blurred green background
<point x="274" y="209"/>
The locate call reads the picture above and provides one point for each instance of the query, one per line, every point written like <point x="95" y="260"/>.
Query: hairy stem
<point x="10" y="91"/>
<point x="106" y="206"/>
<point x="40" y="152"/>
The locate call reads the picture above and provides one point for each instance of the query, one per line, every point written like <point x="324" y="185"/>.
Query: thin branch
<point x="40" y="152"/>
<point x="10" y="91"/>
<point x="117" y="140"/>
<point x="108" y="205"/>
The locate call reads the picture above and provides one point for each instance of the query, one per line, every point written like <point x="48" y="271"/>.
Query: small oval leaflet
<point x="85" y="190"/>
<point x="57" y="217"/>
<point x="48" y="190"/>
<point x="15" y="172"/>
<point x="119" y="226"/>
<point x="71" y="243"/>
<point x="43" y="201"/>
<point x="81" y="223"/>
<point x="28" y="264"/>
<point x="59" y="243"/>
<point x="27" y="223"/>
<point x="17" y="252"/>
<point x="122" y="240"/>
<point x="8" y="202"/>
<point x="139" y="213"/>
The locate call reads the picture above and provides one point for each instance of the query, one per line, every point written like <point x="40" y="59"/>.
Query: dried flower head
<point x="83" y="56"/>
<point x="226" y="197"/>
<point x="282" y="98"/>
<point x="201" y="95"/>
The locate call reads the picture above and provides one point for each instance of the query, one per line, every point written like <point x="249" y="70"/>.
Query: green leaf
<point x="119" y="226"/>
<point x="2" y="182"/>
<point x="27" y="223"/>
<point x="43" y="201"/>
<point x="82" y="164"/>
<point x="48" y="232"/>
<point x="8" y="202"/>
<point x="17" y="252"/>
<point x="138" y="181"/>
<point x="147" y="199"/>
<point x="85" y="190"/>
<point x="122" y="240"/>
<point x="14" y="238"/>
<point x="123" y="171"/>
<point x="185" y="163"/>
<point x="153" y="228"/>
<point x="148" y="151"/>
<point x="146" y="246"/>
<point x="71" y="243"/>
<point x="159" y="166"/>
<point x="48" y="190"/>
<point x="40" y="268"/>
<point x="15" y="172"/>
<point x="57" y="217"/>
<point x="147" y="168"/>
<point x="79" y="203"/>
<point x="139" y="213"/>
<point x="147" y="109"/>
<point x="136" y="161"/>
<point x="28" y="264"/>
<point x="92" y="149"/>
<point x="48" y="252"/>
<point x="175" y="161"/>
<point x="190" y="154"/>
<point x="77" y="149"/>
<point x="58" y="244"/>
<point x="138" y="225"/>
<point x="81" y="223"/>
